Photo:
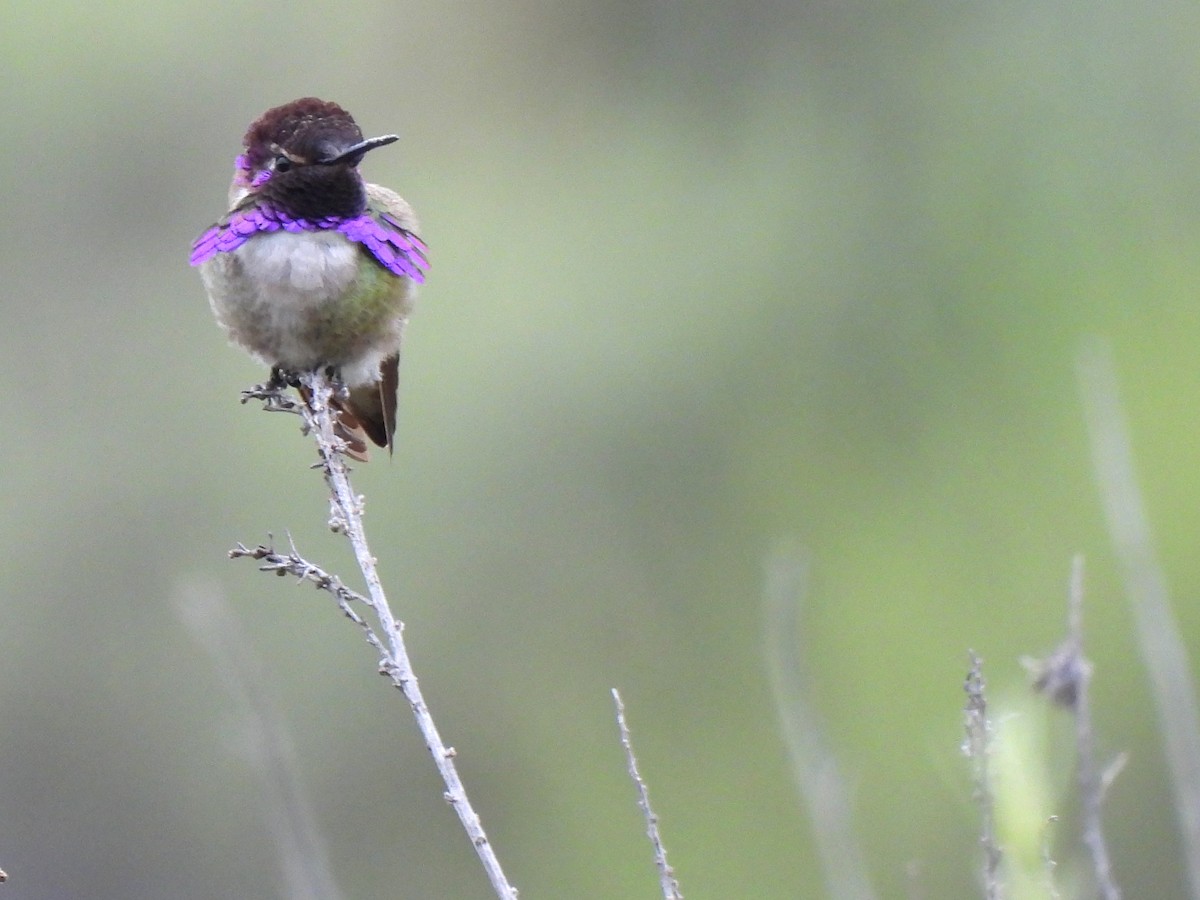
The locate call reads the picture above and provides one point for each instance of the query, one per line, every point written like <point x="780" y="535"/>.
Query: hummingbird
<point x="313" y="267"/>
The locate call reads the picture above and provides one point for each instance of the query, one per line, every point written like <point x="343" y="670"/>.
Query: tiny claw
<point x="282" y="378"/>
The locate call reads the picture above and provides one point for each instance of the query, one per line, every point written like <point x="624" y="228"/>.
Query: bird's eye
<point x="282" y="164"/>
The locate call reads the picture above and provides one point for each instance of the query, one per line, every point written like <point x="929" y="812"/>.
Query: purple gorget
<point x="396" y="249"/>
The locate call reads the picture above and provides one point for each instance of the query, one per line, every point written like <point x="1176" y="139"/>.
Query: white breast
<point x="299" y="270"/>
<point x="269" y="292"/>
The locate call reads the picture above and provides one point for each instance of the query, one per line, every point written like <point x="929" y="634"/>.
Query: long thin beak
<point x="360" y="148"/>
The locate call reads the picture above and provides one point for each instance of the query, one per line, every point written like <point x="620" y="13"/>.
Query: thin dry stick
<point x="666" y="875"/>
<point x="1091" y="784"/>
<point x="302" y="855"/>
<point x="1064" y="676"/>
<point x="346" y="517"/>
<point x="1162" y="646"/>
<point x="977" y="747"/>
<point x="814" y="766"/>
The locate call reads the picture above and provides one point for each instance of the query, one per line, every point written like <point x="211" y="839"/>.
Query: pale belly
<point x="301" y="301"/>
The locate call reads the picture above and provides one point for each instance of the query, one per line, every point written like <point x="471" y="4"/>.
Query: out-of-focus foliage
<point x="706" y="275"/>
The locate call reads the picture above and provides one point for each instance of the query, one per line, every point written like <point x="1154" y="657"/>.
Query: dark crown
<point x="305" y="128"/>
<point x="308" y="131"/>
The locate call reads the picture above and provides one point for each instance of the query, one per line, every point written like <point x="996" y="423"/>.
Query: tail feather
<point x="373" y="406"/>
<point x="368" y="412"/>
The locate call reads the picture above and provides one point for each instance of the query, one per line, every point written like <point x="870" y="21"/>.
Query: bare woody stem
<point x="1065" y="677"/>
<point x="346" y="509"/>
<point x="977" y="747"/>
<point x="666" y="875"/>
<point x="1091" y="780"/>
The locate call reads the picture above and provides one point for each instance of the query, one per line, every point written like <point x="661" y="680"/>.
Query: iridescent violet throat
<point x="313" y="267"/>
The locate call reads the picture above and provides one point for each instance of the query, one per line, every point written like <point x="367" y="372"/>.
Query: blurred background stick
<point x="814" y="768"/>
<point x="1161" y="644"/>
<point x="300" y="847"/>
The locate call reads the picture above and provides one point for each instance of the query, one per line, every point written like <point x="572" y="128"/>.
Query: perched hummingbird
<point x="313" y="267"/>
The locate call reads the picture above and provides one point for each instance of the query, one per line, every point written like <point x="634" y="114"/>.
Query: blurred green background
<point x="706" y="276"/>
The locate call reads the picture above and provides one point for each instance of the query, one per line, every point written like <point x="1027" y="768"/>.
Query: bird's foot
<point x="340" y="391"/>
<point x="273" y="391"/>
